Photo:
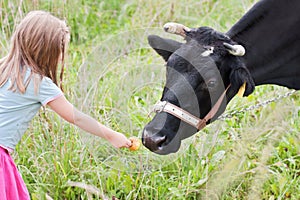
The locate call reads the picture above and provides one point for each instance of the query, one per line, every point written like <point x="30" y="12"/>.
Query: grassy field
<point x="114" y="76"/>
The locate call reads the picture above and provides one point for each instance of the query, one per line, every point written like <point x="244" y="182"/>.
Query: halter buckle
<point x="159" y="107"/>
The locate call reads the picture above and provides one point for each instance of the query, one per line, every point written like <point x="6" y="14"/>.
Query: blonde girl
<point x="29" y="80"/>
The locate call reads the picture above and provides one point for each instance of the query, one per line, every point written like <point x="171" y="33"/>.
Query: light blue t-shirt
<point x="17" y="110"/>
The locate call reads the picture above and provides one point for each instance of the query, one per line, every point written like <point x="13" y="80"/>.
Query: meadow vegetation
<point x="114" y="76"/>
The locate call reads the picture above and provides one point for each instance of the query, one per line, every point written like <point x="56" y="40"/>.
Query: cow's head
<point x="198" y="73"/>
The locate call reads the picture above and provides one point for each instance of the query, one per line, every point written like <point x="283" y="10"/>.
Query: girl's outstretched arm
<point x="68" y="112"/>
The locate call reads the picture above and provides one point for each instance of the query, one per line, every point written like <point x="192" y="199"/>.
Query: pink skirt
<point x="12" y="186"/>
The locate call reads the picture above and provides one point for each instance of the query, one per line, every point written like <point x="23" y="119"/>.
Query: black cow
<point x="207" y="71"/>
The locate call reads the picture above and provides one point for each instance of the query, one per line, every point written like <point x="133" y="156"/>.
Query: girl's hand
<point x="119" y="140"/>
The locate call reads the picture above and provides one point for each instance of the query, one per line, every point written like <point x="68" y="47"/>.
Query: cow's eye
<point x="211" y="83"/>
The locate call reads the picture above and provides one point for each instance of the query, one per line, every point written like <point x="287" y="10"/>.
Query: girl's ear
<point x="240" y="76"/>
<point x="164" y="47"/>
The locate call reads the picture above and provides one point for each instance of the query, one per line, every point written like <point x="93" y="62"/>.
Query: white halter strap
<point x="164" y="106"/>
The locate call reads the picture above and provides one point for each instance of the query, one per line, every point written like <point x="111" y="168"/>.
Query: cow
<point x="209" y="68"/>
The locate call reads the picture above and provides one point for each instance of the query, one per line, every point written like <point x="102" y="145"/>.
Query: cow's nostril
<point x="160" y="141"/>
<point x="153" y="142"/>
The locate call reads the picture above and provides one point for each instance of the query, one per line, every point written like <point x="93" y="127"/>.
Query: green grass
<point x="114" y="76"/>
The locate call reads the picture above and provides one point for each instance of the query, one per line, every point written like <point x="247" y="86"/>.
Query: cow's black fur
<point x="239" y="73"/>
<point x="270" y="33"/>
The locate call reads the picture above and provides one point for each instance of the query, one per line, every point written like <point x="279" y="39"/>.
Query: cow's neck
<point x="270" y="32"/>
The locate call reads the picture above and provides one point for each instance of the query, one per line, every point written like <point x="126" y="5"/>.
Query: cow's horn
<point x="237" y="50"/>
<point x="176" y="28"/>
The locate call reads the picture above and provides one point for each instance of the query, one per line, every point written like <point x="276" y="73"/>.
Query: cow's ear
<point x="164" y="47"/>
<point x="240" y="76"/>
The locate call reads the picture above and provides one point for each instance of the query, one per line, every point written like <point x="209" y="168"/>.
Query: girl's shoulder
<point x="37" y="82"/>
<point x="42" y="88"/>
<point x="38" y="79"/>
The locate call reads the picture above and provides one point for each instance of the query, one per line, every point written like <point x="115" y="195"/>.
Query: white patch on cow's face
<point x="208" y="52"/>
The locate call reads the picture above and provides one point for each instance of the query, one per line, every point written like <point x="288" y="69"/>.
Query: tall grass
<point x="114" y="76"/>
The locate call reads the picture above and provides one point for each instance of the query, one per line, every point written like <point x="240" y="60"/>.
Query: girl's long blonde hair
<point x="39" y="42"/>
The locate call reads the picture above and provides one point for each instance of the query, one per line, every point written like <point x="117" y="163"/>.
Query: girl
<point x="28" y="80"/>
